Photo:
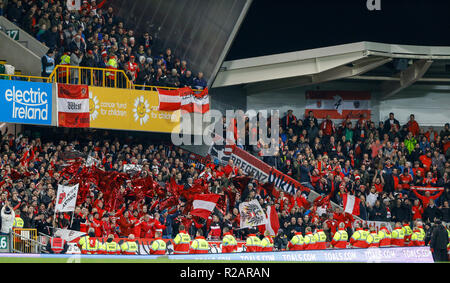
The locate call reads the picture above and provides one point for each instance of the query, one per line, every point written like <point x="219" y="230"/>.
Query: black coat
<point x="430" y="213"/>
<point x="439" y="237"/>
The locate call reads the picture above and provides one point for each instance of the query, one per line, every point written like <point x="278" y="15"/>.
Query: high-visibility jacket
<point x="18" y="222"/>
<point x="57" y="245"/>
<point x="65" y="60"/>
<point x="358" y="239"/>
<point x="267" y="244"/>
<point x="398" y="237"/>
<point x="112" y="248"/>
<point x="158" y="247"/>
<point x="253" y="244"/>
<point x="417" y="239"/>
<point x="421" y="230"/>
<point x="101" y="248"/>
<point x="408" y="232"/>
<point x="297" y="243"/>
<point x="309" y="241"/>
<point x="321" y="239"/>
<point x="182" y="242"/>
<point x="199" y="246"/>
<point x="373" y="240"/>
<point x="229" y="243"/>
<point x="340" y="239"/>
<point x="88" y="245"/>
<point x="129" y="248"/>
<point x="385" y="237"/>
<point x="112" y="64"/>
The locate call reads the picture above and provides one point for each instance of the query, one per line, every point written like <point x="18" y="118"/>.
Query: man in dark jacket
<point x="439" y="242"/>
<point x="390" y="122"/>
<point x="51" y="38"/>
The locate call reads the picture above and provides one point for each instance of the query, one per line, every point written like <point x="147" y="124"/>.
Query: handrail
<point x="23" y="78"/>
<point x="90" y="76"/>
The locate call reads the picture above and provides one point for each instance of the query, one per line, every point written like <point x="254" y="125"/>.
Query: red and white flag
<point x="204" y="204"/>
<point x="73" y="5"/>
<point x="196" y="102"/>
<point x="273" y="223"/>
<point x="351" y="204"/>
<point x="338" y="104"/>
<point x="73" y="106"/>
<point x="184" y="99"/>
<point x="170" y="100"/>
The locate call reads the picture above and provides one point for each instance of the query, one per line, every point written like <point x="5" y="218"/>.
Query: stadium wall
<point x="429" y="103"/>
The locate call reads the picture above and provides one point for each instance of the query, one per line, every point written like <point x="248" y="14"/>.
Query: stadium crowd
<point x="375" y="166"/>
<point x="96" y="37"/>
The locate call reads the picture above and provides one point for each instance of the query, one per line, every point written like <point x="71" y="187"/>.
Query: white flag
<point x="73" y="5"/>
<point x="69" y="235"/>
<point x="66" y="198"/>
<point x="252" y="214"/>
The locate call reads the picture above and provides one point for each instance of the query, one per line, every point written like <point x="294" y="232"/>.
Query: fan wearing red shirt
<point x="426" y="160"/>
<point x="132" y="69"/>
<point x="406" y="180"/>
<point x="426" y="198"/>
<point x="413" y="126"/>
<point x="327" y="126"/>
<point x="417" y="210"/>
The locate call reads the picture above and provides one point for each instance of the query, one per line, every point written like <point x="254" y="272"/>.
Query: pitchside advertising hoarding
<point x="26" y="102"/>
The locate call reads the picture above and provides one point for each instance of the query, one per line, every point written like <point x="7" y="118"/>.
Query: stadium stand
<point x="140" y="185"/>
<point x="102" y="41"/>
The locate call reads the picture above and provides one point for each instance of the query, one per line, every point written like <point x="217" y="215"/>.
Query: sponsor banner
<point x="375" y="224"/>
<point x="371" y="255"/>
<point x="66" y="198"/>
<point x="73" y="106"/>
<point x="25" y="102"/>
<point x="126" y="109"/>
<point x="252" y="215"/>
<point x="338" y="104"/>
<point x="144" y="246"/>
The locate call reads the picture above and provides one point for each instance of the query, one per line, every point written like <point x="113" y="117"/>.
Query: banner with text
<point x="66" y="198"/>
<point x="25" y="102"/>
<point x="129" y="109"/>
<point x="260" y="170"/>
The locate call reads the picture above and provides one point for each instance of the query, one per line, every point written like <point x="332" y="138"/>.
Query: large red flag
<point x="351" y="204"/>
<point x="273" y="223"/>
<point x="204" y="204"/>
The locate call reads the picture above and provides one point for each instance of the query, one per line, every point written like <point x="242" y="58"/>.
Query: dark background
<point x="284" y="26"/>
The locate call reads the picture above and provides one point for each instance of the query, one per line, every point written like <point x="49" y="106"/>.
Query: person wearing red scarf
<point x="327" y="126"/>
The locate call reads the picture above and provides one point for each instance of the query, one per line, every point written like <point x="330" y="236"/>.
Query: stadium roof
<point x="362" y="60"/>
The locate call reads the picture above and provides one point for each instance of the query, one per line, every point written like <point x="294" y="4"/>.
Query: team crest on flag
<point x="252" y="214"/>
<point x="66" y="198"/>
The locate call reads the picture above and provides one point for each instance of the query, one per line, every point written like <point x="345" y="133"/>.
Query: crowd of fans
<point x="377" y="164"/>
<point x="94" y="35"/>
<point x="382" y="165"/>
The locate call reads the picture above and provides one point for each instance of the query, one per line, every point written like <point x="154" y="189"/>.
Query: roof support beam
<point x="407" y="77"/>
<point x="355" y="68"/>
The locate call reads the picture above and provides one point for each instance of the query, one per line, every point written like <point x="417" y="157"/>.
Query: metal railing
<point x="25" y="241"/>
<point x="100" y="77"/>
<point x="24" y="78"/>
